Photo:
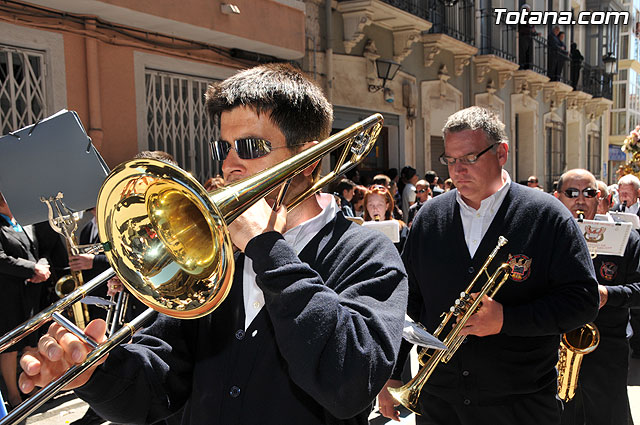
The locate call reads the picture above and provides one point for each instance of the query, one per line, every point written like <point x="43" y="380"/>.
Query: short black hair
<point x="294" y="103"/>
<point x="430" y="176"/>
<point x="408" y="172"/>
<point x="345" y="184"/>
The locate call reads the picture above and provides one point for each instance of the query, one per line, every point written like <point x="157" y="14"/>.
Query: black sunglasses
<point x="588" y="192"/>
<point x="422" y="190"/>
<point x="467" y="159"/>
<point x="247" y="148"/>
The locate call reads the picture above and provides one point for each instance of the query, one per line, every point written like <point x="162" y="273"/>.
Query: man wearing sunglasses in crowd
<point x="504" y="373"/>
<point x="310" y="329"/>
<point x="602" y="388"/>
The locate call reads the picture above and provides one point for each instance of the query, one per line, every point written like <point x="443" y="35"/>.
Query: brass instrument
<point x="573" y="346"/>
<point x="65" y="223"/>
<point x="463" y="308"/>
<point x="166" y="238"/>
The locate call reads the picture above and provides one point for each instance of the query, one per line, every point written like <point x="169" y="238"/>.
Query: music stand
<point x="53" y="156"/>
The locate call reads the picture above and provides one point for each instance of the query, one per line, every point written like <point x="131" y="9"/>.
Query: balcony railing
<point x="499" y="40"/>
<point x="415" y="7"/>
<point x="596" y="82"/>
<point x="456" y="21"/>
<point x="539" y="56"/>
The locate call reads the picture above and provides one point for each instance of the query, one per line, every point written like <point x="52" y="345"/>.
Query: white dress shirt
<point x="298" y="238"/>
<point x="476" y="222"/>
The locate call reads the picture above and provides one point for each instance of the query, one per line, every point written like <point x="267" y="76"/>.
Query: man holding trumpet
<point x="504" y="373"/>
<point x="310" y="329"/>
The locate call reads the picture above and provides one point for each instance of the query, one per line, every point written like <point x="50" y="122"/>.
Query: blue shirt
<point x="15" y="225"/>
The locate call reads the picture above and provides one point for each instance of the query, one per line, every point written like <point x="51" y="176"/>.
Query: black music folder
<point x="54" y="155"/>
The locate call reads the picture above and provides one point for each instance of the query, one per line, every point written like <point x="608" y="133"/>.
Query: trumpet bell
<point x="167" y="240"/>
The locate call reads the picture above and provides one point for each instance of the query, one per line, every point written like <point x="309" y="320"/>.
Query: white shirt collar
<point x="298" y="237"/>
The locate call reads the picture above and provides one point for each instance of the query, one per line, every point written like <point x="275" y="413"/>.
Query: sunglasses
<point x="247" y="148"/>
<point x="422" y="190"/>
<point x="587" y="192"/>
<point x="467" y="159"/>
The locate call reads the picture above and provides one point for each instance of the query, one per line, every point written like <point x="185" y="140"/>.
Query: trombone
<point x="166" y="238"/>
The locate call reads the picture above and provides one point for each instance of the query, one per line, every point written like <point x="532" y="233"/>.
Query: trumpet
<point x="166" y="238"/>
<point x="463" y="308"/>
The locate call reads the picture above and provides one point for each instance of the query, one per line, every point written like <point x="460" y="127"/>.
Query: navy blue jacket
<point x="553" y="289"/>
<point x="317" y="353"/>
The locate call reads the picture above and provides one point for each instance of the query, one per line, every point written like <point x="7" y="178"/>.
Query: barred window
<point x="594" y="152"/>
<point x="177" y="122"/>
<point x="556" y="151"/>
<point x="22" y="88"/>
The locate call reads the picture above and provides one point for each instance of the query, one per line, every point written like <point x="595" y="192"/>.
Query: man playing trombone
<point x="310" y="329"/>
<point x="601" y="397"/>
<point x="504" y="372"/>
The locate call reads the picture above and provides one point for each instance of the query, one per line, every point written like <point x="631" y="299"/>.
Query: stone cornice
<point x="462" y="52"/>
<point x="555" y="92"/>
<point x="528" y="82"/>
<point x="485" y="63"/>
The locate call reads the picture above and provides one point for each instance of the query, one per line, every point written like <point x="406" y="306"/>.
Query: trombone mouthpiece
<point x="502" y="241"/>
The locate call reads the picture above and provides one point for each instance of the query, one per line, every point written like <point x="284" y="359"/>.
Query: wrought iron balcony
<point x="415" y="7"/>
<point x="456" y="21"/>
<point x="596" y="82"/>
<point x="498" y="40"/>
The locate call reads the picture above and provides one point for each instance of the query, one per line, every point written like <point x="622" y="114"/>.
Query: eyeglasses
<point x="467" y="159"/>
<point x="532" y="181"/>
<point x="247" y="148"/>
<point x="587" y="192"/>
<point x="422" y="190"/>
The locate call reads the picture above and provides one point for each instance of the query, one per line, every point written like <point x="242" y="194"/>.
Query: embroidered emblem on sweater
<point x="520" y="267"/>
<point x="608" y="270"/>
<point x="594" y="234"/>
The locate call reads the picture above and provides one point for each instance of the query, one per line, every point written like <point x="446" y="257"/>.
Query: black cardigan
<point x="321" y="348"/>
<point x="557" y="292"/>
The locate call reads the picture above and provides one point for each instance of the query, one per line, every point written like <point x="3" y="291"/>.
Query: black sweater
<point x="621" y="276"/>
<point x="321" y="348"/>
<point x="557" y="292"/>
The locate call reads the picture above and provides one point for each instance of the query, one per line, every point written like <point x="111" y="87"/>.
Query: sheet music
<point x="605" y="237"/>
<point x="391" y="228"/>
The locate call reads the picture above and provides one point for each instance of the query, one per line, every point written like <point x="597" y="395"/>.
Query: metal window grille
<point x="177" y="121"/>
<point x="22" y="88"/>
<point x="556" y="151"/>
<point x="594" y="152"/>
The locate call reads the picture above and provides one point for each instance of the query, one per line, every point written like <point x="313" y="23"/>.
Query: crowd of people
<point x="311" y="330"/>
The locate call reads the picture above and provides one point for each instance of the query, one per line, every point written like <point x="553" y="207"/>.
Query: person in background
<point x="604" y="200"/>
<point x="601" y="397"/>
<point x="423" y="194"/>
<point x="628" y="193"/>
<point x="409" y="191"/>
<point x="432" y="178"/>
<point x="392" y="173"/>
<point x="378" y="206"/>
<point x="22" y="272"/>
<point x="214" y="183"/>
<point x="526" y="32"/>
<point x="448" y="185"/>
<point x="575" y="66"/>
<point x="358" y="200"/>
<point x="346" y="190"/>
<point x="532" y="181"/>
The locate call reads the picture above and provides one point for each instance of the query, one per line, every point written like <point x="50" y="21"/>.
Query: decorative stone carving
<point x="354" y="23"/>
<point x="486" y="63"/>
<point x="403" y="39"/>
<point x="430" y="52"/>
<point x="461" y="51"/>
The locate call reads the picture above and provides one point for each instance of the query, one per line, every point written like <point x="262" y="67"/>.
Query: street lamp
<point x="386" y="71"/>
<point x="610" y="62"/>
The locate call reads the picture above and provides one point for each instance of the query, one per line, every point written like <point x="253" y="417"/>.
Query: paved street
<point x="66" y="407"/>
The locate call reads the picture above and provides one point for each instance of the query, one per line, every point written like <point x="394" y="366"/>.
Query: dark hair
<point x="293" y="102"/>
<point x="430" y="176"/>
<point x="392" y="173"/>
<point x="345" y="184"/>
<point x="408" y="172"/>
<point x="159" y="155"/>
<point x="381" y="179"/>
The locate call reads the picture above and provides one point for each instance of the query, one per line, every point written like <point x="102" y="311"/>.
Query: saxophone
<point x="573" y="347"/>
